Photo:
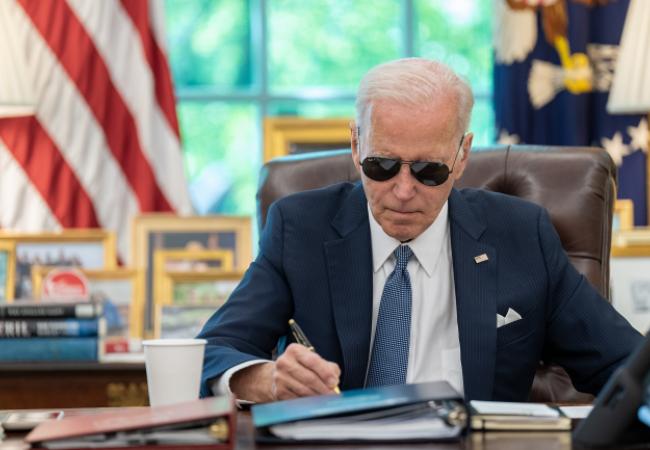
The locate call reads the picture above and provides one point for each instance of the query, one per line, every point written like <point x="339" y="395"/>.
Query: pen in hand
<point x="301" y="339"/>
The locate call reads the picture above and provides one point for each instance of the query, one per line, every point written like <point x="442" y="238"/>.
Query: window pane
<point x="482" y="122"/>
<point x="209" y="43"/>
<point x="312" y="109"/>
<point x="458" y="33"/>
<point x="221" y="152"/>
<point x="329" y="42"/>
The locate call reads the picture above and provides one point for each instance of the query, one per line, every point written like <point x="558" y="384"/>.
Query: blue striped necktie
<point x="390" y="350"/>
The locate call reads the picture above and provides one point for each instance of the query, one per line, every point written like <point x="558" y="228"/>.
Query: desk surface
<point x="476" y="441"/>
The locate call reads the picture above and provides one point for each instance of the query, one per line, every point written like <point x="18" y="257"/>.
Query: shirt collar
<point x="425" y="247"/>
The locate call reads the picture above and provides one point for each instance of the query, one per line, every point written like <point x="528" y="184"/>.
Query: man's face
<point x="403" y="206"/>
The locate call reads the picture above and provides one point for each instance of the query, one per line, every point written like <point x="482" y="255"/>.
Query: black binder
<point x="613" y="420"/>
<point x="412" y="412"/>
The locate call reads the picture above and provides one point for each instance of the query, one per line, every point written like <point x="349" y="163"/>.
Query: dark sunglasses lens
<point x="430" y="173"/>
<point x="380" y="169"/>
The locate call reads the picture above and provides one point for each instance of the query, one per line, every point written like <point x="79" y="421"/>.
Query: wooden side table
<point x="72" y="385"/>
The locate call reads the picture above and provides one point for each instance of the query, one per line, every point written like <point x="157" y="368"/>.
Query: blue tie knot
<point x="402" y="253"/>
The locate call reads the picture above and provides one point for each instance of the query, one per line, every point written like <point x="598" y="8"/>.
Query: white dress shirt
<point x="434" y="348"/>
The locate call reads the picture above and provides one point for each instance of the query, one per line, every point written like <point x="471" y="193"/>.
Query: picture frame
<point x="7" y="271"/>
<point x="189" y="303"/>
<point x="290" y="135"/>
<point x="83" y="248"/>
<point x="630" y="276"/>
<point x="122" y="286"/>
<point x="623" y="218"/>
<point x="167" y="231"/>
<point x="184" y="263"/>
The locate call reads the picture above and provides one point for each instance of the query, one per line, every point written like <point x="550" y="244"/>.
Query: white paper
<point x="514" y="408"/>
<point x="576" y="412"/>
<point x="406" y="422"/>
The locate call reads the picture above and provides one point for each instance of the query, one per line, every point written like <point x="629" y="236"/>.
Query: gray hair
<point x="411" y="82"/>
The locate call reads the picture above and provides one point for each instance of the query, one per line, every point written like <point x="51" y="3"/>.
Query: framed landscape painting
<point x="186" y="263"/>
<point x="191" y="300"/>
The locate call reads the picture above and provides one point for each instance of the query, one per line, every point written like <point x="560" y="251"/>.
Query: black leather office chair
<point x="575" y="185"/>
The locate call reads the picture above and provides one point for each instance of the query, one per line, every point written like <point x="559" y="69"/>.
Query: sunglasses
<point x="428" y="173"/>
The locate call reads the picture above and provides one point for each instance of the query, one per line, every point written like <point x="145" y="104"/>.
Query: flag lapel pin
<point x="481" y="258"/>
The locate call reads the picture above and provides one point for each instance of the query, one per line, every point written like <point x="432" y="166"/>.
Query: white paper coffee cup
<point x="173" y="369"/>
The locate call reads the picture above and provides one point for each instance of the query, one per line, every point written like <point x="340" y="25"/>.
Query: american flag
<point x="103" y="141"/>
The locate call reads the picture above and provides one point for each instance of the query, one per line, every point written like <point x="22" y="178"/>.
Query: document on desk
<point x="485" y="415"/>
<point x="412" y="412"/>
<point x="207" y="423"/>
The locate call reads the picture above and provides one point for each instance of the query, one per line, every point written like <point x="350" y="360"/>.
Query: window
<point x="237" y="61"/>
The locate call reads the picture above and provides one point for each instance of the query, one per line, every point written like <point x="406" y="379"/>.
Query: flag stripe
<point x="61" y="29"/>
<point x="138" y="11"/>
<point x="132" y="77"/>
<point x="81" y="141"/>
<point x="23" y="208"/>
<point x="100" y="144"/>
<point x="49" y="172"/>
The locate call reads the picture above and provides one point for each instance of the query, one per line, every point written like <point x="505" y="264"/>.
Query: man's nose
<point x="404" y="183"/>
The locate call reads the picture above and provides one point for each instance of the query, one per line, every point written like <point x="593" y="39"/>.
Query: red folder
<point x="179" y="426"/>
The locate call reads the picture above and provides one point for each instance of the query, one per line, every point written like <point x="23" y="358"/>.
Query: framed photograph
<point x="630" y="276"/>
<point x="87" y="249"/>
<point x="194" y="298"/>
<point x="186" y="262"/>
<point x="120" y="289"/>
<point x="291" y="135"/>
<point x="623" y="218"/>
<point x="7" y="271"/>
<point x="160" y="231"/>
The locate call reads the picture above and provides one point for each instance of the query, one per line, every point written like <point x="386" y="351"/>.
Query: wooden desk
<point x="72" y="385"/>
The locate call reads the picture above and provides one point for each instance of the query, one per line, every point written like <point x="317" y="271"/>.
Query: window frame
<point x="261" y="96"/>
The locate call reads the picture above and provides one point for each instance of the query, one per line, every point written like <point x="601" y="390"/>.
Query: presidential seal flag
<point x="95" y="138"/>
<point x="554" y="65"/>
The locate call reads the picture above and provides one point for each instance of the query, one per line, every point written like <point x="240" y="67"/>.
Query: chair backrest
<point x="576" y="185"/>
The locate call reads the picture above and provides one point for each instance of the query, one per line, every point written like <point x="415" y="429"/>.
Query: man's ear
<point x="354" y="144"/>
<point x="462" y="162"/>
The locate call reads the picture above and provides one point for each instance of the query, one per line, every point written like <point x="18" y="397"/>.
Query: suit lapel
<point x="349" y="265"/>
<point x="475" y="284"/>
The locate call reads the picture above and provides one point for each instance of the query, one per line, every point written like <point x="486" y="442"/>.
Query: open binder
<point x="199" y="424"/>
<point x="412" y="412"/>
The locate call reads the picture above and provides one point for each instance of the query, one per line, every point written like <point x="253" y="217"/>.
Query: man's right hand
<point x="298" y="372"/>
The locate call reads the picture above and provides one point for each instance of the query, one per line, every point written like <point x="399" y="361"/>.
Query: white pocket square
<point x="511" y="316"/>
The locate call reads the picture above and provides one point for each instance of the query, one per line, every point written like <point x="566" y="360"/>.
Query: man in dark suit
<point x="403" y="278"/>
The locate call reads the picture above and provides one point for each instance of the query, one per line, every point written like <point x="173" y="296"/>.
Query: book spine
<point x="48" y="328"/>
<point x="36" y="310"/>
<point x="49" y="349"/>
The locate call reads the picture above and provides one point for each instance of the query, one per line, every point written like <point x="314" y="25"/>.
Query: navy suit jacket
<point x="315" y="265"/>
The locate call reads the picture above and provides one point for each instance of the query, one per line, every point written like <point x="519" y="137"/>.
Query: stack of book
<point x="51" y="332"/>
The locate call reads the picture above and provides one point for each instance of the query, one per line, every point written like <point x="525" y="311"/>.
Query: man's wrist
<point x="254" y="383"/>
